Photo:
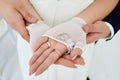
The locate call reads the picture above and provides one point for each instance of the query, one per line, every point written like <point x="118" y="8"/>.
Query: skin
<point x="18" y="15"/>
<point x="40" y="61"/>
<point x="22" y="14"/>
<point x="48" y="55"/>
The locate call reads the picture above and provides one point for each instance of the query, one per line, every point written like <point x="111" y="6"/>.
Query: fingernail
<point x="77" y="65"/>
<point x="33" y="19"/>
<point x="74" y="57"/>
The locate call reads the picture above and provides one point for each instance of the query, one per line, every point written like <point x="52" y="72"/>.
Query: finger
<point x="66" y="56"/>
<point x="40" y="42"/>
<point x="38" y="53"/>
<point x="96" y="27"/>
<point x="65" y="62"/>
<point x="40" y="60"/>
<point x="79" y="60"/>
<point x="88" y="28"/>
<point x="50" y="60"/>
<point x="27" y="15"/>
<point x="31" y="9"/>
<point x="75" y="52"/>
<point x="23" y="32"/>
<point x="92" y="37"/>
<point x="17" y="23"/>
<point x="25" y="35"/>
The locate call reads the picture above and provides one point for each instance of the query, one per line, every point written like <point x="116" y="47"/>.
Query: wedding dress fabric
<point x="9" y="64"/>
<point x="55" y="12"/>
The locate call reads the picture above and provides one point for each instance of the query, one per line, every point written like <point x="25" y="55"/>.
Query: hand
<point x="44" y="56"/>
<point x="18" y="13"/>
<point x="96" y="31"/>
<point x="66" y="60"/>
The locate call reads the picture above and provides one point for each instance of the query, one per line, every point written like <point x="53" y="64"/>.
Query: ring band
<point x="48" y="43"/>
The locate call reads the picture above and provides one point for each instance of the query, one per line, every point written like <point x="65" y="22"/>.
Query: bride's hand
<point x="48" y="51"/>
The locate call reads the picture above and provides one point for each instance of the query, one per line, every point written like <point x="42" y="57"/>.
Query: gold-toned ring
<point x="48" y="43"/>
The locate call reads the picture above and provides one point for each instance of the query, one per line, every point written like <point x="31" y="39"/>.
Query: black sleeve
<point x="114" y="18"/>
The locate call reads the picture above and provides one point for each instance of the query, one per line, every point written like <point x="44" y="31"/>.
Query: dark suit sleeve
<point x="114" y="18"/>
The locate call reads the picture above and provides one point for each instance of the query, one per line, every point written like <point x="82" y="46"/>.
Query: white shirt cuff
<point x="111" y="29"/>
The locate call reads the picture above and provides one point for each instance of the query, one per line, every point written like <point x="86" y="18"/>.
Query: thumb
<point x="88" y="28"/>
<point x="75" y="53"/>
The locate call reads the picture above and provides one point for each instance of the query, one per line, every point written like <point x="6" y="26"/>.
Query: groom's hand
<point x="18" y="13"/>
<point x="96" y="31"/>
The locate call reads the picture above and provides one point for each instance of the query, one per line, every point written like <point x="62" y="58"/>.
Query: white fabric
<point x="36" y="30"/>
<point x="106" y="60"/>
<point x="111" y="29"/>
<point x="69" y="33"/>
<point x="53" y="13"/>
<point x="9" y="64"/>
<point x="3" y="28"/>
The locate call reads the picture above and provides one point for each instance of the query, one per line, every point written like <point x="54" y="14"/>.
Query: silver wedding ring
<point x="48" y="43"/>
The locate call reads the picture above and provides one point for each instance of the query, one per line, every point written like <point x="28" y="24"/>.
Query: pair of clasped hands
<point x="20" y="13"/>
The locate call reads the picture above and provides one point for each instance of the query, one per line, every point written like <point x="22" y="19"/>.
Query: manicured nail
<point x="74" y="57"/>
<point x="77" y="65"/>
